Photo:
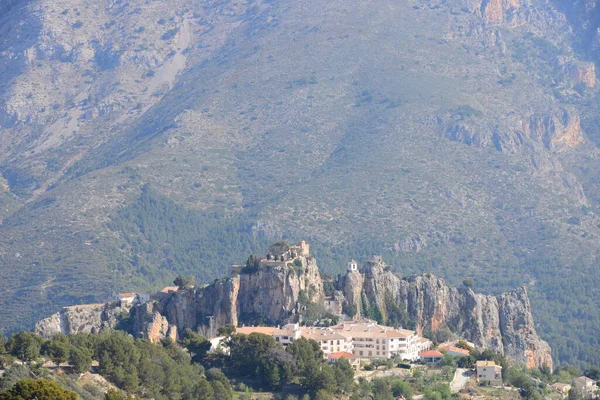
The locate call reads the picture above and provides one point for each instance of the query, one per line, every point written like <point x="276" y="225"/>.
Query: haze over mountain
<point x="139" y="140"/>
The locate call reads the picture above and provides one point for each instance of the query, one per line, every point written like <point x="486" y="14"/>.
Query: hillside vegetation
<point x="142" y="140"/>
<point x="255" y="367"/>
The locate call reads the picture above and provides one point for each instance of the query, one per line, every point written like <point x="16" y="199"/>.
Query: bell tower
<point x="352" y="266"/>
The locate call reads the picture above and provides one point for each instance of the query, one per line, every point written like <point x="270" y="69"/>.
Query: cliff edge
<point x="284" y="287"/>
<point x="275" y="290"/>
<point x="503" y="323"/>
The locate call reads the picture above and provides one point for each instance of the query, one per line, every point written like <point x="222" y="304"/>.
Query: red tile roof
<point x="431" y="353"/>
<point x="454" y="350"/>
<point x="342" y="354"/>
<point x="127" y="295"/>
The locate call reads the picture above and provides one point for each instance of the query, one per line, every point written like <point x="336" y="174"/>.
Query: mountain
<point x="142" y="140"/>
<point x="279" y="292"/>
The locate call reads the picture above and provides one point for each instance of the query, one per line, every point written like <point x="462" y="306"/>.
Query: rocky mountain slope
<point x="272" y="293"/>
<point x="453" y="136"/>
<point x="503" y="323"/>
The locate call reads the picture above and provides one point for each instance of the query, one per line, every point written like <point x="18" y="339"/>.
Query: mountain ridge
<point x="460" y="142"/>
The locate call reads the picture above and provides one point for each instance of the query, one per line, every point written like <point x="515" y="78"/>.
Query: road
<point x="461" y="377"/>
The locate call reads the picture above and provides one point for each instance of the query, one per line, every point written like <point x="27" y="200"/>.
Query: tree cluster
<point x="259" y="358"/>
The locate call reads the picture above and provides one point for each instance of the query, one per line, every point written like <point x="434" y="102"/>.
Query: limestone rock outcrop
<point x="497" y="10"/>
<point x="220" y="300"/>
<point x="426" y="303"/>
<point x="582" y="73"/>
<point x="270" y="292"/>
<point x="152" y="325"/>
<point x="87" y="318"/>
<point x="547" y="131"/>
<point x="516" y="325"/>
<point x="555" y="131"/>
<point x="277" y="292"/>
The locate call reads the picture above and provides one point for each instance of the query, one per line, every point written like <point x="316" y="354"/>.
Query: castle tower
<point x="352" y="266"/>
<point x="304" y="248"/>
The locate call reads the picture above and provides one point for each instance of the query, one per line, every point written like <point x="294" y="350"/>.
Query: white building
<point x="431" y="357"/>
<point x="329" y="340"/>
<point x="364" y="339"/>
<point x="287" y="334"/>
<point x="284" y="335"/>
<point x="265" y="330"/>
<point x="217" y="345"/>
<point x="143" y="298"/>
<point x="126" y="298"/>
<point x="352" y="265"/>
<point x="585" y="386"/>
<point x="488" y="371"/>
<point x="454" y="351"/>
<point x="371" y="340"/>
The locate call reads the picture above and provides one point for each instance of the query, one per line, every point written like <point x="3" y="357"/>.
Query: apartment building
<point x="329" y="340"/>
<point x="371" y="340"/>
<point x="365" y="339"/>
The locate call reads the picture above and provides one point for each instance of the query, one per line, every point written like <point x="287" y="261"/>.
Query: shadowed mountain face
<point x="142" y="140"/>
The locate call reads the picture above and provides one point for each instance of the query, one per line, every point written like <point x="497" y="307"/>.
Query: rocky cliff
<point x="426" y="303"/>
<point x="498" y="10"/>
<point x="271" y="292"/>
<point x="534" y="131"/>
<point x="89" y="318"/>
<point x="277" y="292"/>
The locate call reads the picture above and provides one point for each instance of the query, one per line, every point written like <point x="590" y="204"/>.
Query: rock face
<point x="581" y="73"/>
<point x="271" y="292"/>
<point x="152" y="325"/>
<point x="497" y="10"/>
<point x="276" y="292"/>
<point x="426" y="303"/>
<point x="86" y="318"/>
<point x="533" y="132"/>
<point x="555" y="132"/>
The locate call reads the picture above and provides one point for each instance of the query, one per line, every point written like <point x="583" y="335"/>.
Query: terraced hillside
<point x="141" y="140"/>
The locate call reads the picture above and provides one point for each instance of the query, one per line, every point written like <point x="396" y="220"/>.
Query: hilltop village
<point x="285" y="288"/>
<point x="369" y="317"/>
